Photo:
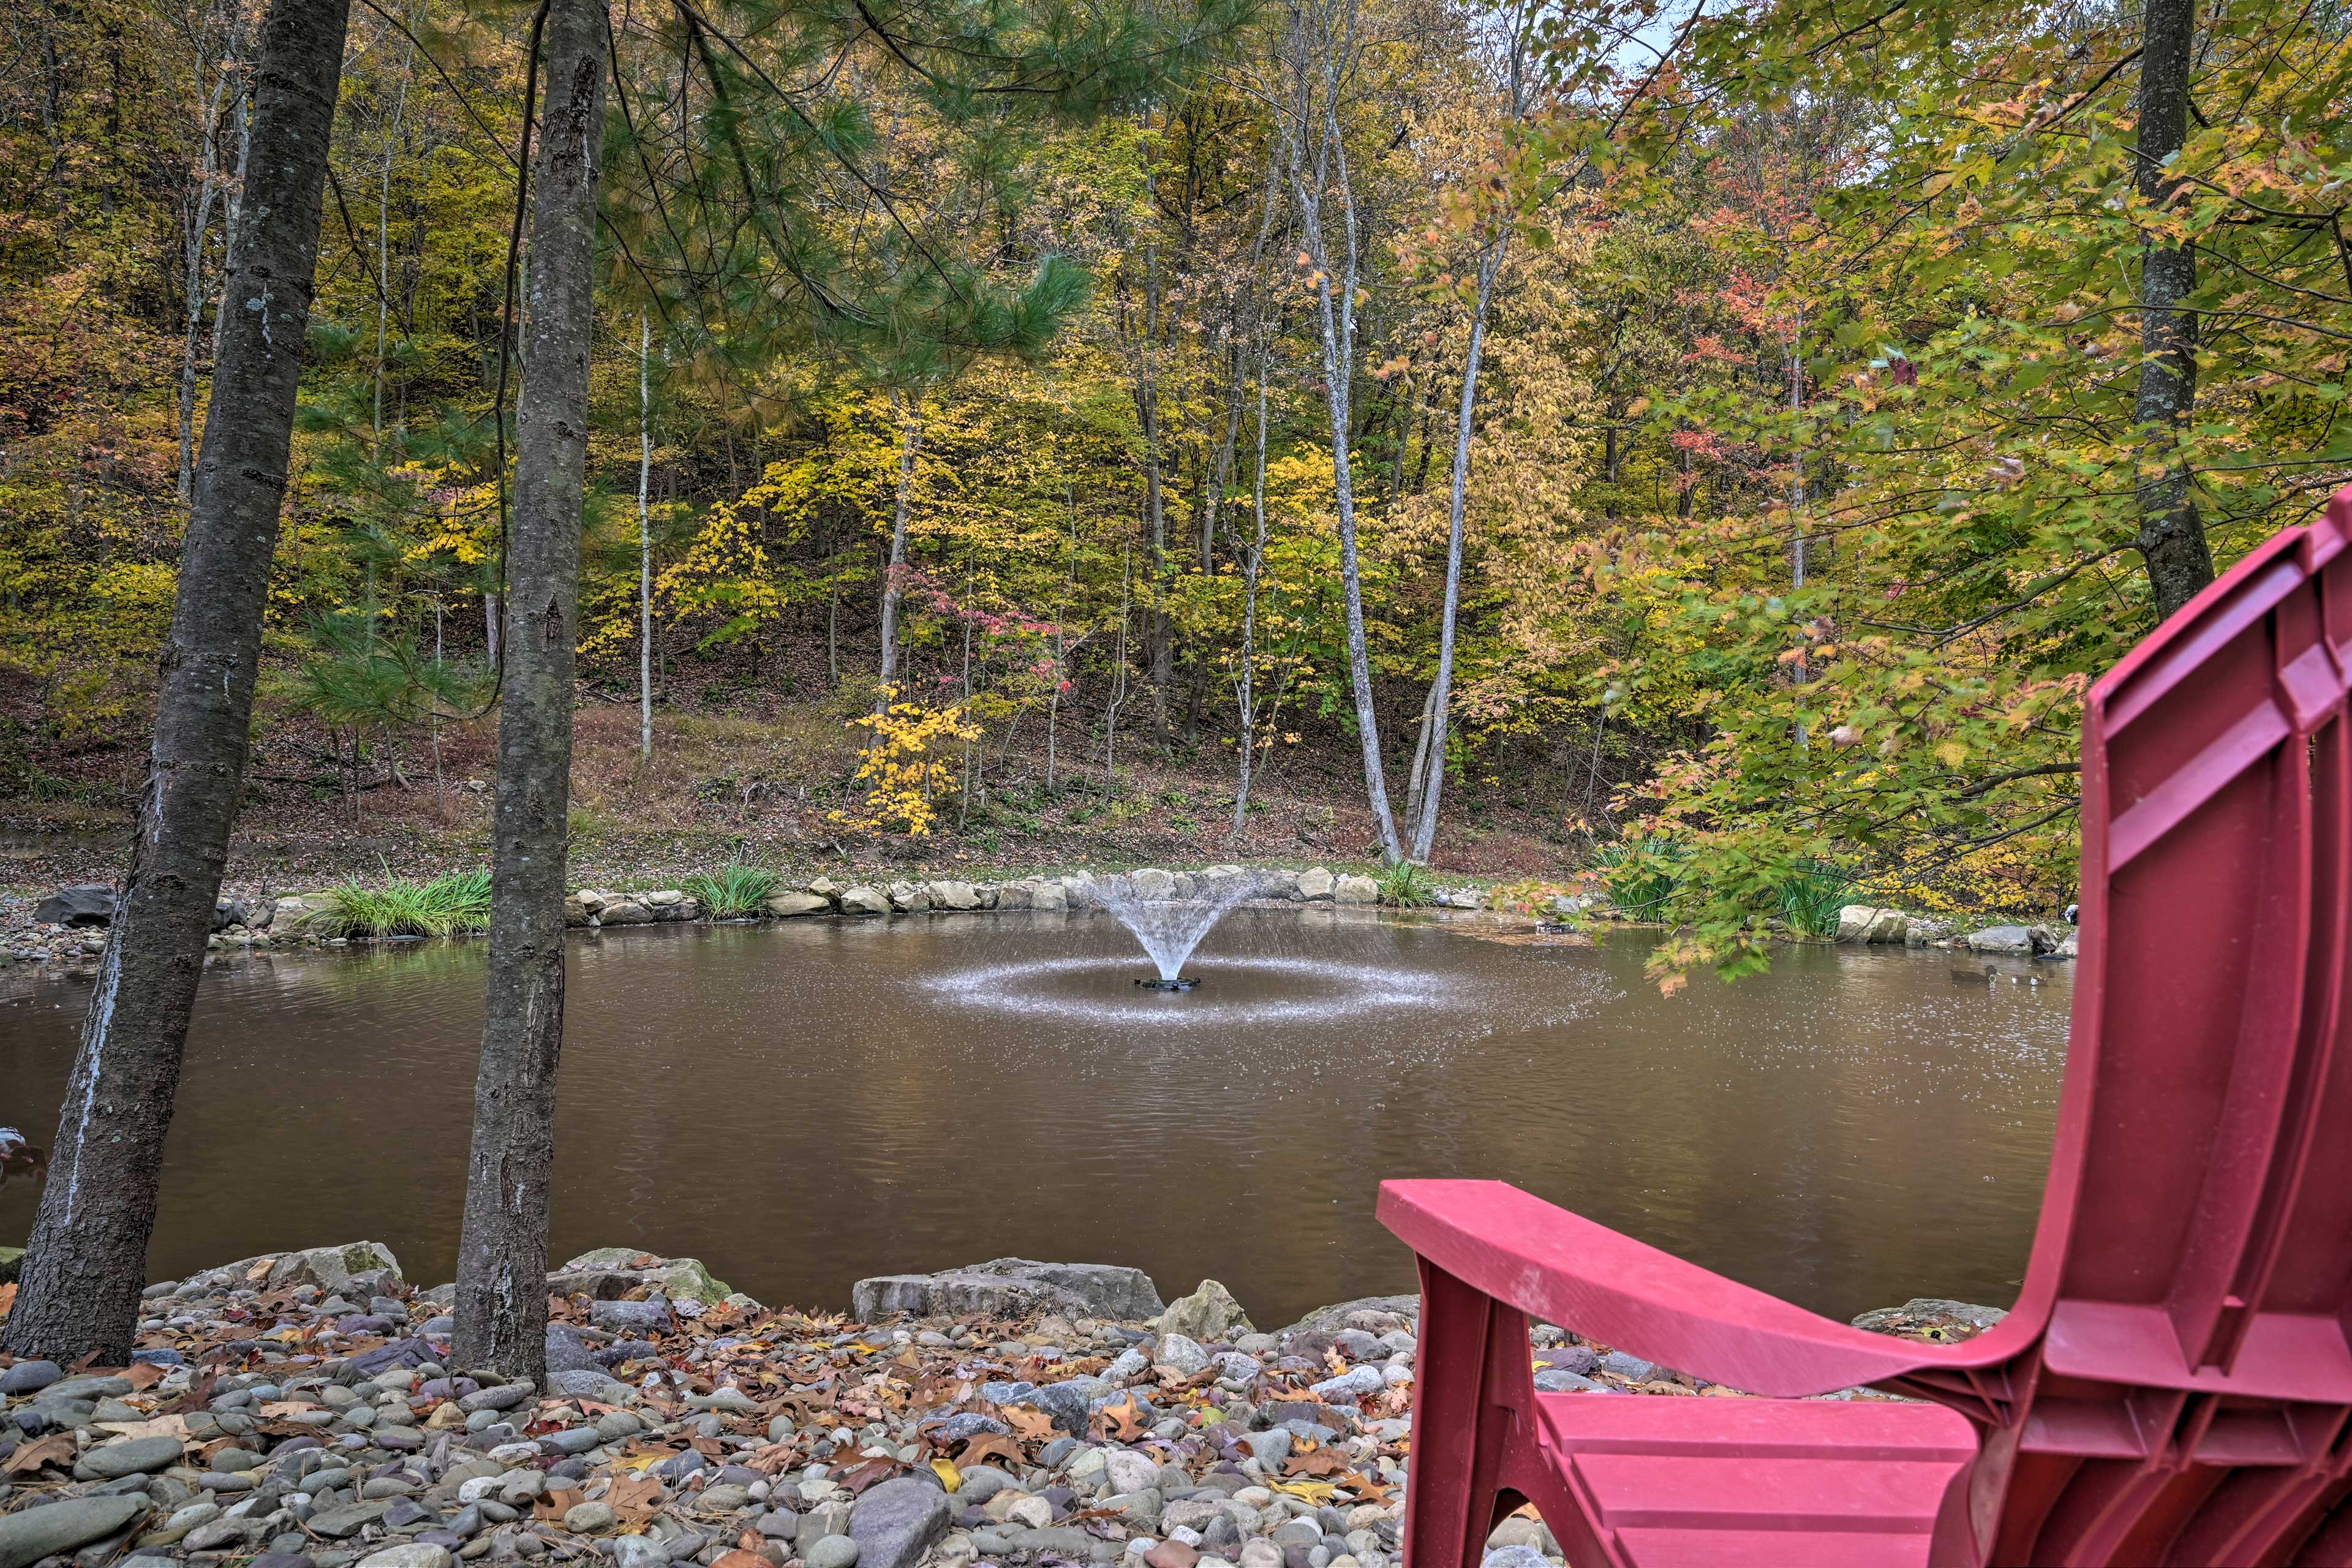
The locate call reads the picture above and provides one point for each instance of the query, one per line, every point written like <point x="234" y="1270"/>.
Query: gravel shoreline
<point x="296" y="1410"/>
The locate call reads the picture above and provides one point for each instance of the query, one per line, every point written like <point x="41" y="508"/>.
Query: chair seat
<point x="1746" y="1483"/>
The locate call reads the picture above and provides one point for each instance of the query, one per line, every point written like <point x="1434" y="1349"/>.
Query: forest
<point x="1717" y="440"/>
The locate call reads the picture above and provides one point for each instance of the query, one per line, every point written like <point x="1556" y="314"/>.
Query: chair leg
<point x="1473" y="1437"/>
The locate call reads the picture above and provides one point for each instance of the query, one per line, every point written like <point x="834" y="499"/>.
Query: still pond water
<point x="803" y="1103"/>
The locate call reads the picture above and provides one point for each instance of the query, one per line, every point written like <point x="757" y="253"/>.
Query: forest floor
<point x="762" y="785"/>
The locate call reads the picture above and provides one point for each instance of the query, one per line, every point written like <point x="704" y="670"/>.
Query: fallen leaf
<point x="557" y="1501"/>
<point x="1028" y="1422"/>
<point x="142" y="1374"/>
<point x="1122" y="1420"/>
<point x="161" y="1427"/>
<point x="857" y="1477"/>
<point x="7" y="1296"/>
<point x="58" y="1449"/>
<point x="1320" y="1462"/>
<point x="636" y="1498"/>
<point x="950" y="1476"/>
<point x="991" y="1446"/>
<point x="1317" y="1492"/>
<point x="261" y="1268"/>
<point x="277" y="1407"/>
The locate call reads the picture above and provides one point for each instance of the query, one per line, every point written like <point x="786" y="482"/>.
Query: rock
<point x="864" y="901"/>
<point x="1324" y="1320"/>
<point x="909" y="898"/>
<point x="1632" y="1368"/>
<point x="409" y="1554"/>
<point x="567" y="1352"/>
<point x="1578" y="1359"/>
<point x="1044" y="895"/>
<point x="626" y="913"/>
<point x="357" y="1269"/>
<point x="30" y="1376"/>
<point x="1009" y="1287"/>
<point x="952" y="896"/>
<point x="2013" y="940"/>
<point x="1932" y="1319"/>
<point x="895" y="1523"/>
<point x="501" y="1396"/>
<point x="787" y="906"/>
<point x="1316" y="886"/>
<point x="588" y="1518"/>
<point x="1515" y="1557"/>
<point x="2066" y="949"/>
<point x="1557" y="1380"/>
<point x="2048" y="937"/>
<point x="609" y="1273"/>
<point x="88" y="904"/>
<point x="1151" y="885"/>
<point x="1353" y="1384"/>
<point x="30" y="1534"/>
<point x="1872" y="923"/>
<point x="1181" y="1354"/>
<point x="1128" y="1472"/>
<point x="651" y="1316"/>
<point x="637" y="1551"/>
<point x="336" y="1524"/>
<point x="132" y="1456"/>
<point x="1355" y="890"/>
<point x="1208" y="1314"/>
<point x="831" y="1552"/>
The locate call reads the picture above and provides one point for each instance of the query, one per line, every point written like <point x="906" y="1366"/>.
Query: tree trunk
<point x="86" y="1257"/>
<point x="502" y="1306"/>
<point x="2171" y="534"/>
<point x="1316" y="154"/>
<point x="910" y="444"/>
<point x="1247" y="692"/>
<point x="645" y="540"/>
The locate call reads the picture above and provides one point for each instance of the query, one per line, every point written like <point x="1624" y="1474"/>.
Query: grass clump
<point x="1405" y="885"/>
<point x="1812" y="892"/>
<point x="1642" y="875"/>
<point x="460" y="902"/>
<point x="732" y="892"/>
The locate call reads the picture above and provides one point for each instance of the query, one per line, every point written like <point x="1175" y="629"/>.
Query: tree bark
<point x="2171" y="534"/>
<point x="86" y="1257"/>
<point x="502" y="1306"/>
<point x="910" y="445"/>
<point x="645" y="540"/>
<point x="1424" y="836"/>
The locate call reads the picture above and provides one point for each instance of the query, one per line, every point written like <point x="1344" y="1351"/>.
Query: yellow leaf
<point x="1317" y="1492"/>
<point x="950" y="1476"/>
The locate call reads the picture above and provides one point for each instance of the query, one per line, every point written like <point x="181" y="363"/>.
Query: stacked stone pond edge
<point x="295" y="1410"/>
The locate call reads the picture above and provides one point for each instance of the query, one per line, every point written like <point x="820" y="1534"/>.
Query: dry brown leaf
<point x="991" y="1446"/>
<point x="635" y="1499"/>
<point x="261" y="1268"/>
<point x="7" y="1296"/>
<point x="1320" y="1462"/>
<point x="161" y="1427"/>
<point x="557" y="1501"/>
<point x="1028" y="1422"/>
<point x="58" y="1448"/>
<point x="142" y="1374"/>
<point x="1122" y="1420"/>
<point x="857" y="1477"/>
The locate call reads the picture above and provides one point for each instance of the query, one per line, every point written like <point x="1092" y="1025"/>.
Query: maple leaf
<point x="1028" y="1422"/>
<point x="1121" y="1421"/>
<point x="636" y="1498"/>
<point x="991" y="1446"/>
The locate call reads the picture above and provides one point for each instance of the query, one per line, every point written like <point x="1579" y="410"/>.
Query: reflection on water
<point x="800" y="1103"/>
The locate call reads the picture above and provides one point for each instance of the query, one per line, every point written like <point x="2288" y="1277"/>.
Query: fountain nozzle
<point x="1179" y="983"/>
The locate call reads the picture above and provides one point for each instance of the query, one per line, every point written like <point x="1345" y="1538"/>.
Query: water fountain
<point x="1170" y="912"/>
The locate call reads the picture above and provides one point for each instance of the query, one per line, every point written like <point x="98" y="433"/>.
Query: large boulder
<point x="787" y="906"/>
<point x="1010" y="1288"/>
<point x="1078" y="892"/>
<point x="865" y="900"/>
<point x="1356" y="891"/>
<point x="1049" y="895"/>
<point x="1333" y="1318"/>
<point x="356" y="1270"/>
<point x="909" y="898"/>
<point x="30" y="1534"/>
<point x="2015" y="941"/>
<point x="610" y="1273"/>
<point x="953" y="895"/>
<point x="88" y="904"/>
<point x="1011" y="895"/>
<point x="1209" y="1314"/>
<point x="1315" y="885"/>
<point x="1931" y="1318"/>
<point x="895" y="1523"/>
<point x="1152" y="885"/>
<point x="1872" y="923"/>
<point x="624" y="913"/>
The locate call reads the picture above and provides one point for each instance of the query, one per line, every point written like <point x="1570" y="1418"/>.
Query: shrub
<point x="732" y="892"/>
<point x="460" y="902"/>
<point x="1812" y="891"/>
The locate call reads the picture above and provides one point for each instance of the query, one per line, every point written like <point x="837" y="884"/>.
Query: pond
<point x="801" y="1103"/>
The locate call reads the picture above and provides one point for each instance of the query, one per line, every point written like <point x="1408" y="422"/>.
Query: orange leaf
<point x="636" y="1498"/>
<point x="1027" y="1422"/>
<point x="990" y="1446"/>
<point x="142" y="1374"/>
<point x="1122" y="1420"/>
<point x="557" y="1501"/>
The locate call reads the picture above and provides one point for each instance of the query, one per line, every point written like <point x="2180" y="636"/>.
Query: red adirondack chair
<point x="2174" y="1385"/>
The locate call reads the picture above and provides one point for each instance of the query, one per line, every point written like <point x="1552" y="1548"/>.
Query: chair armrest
<point x="1564" y="1268"/>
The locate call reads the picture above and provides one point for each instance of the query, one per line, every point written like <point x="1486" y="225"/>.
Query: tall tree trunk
<point x="910" y="445"/>
<point x="645" y="540"/>
<point x="87" y="1258"/>
<point x="1317" y="155"/>
<point x="1433" y="790"/>
<point x="1246" y="693"/>
<point x="502" y="1306"/>
<point x="2171" y="534"/>
<point x="227" y="90"/>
